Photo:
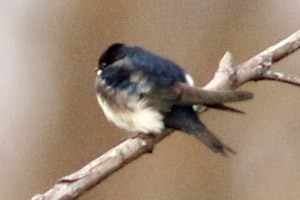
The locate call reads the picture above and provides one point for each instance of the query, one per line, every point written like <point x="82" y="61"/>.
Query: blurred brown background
<point x="51" y="124"/>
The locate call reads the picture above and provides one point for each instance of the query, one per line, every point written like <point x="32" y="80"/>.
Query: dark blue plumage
<point x="183" y="118"/>
<point x="159" y="71"/>
<point x="139" y="91"/>
<point x="119" y="78"/>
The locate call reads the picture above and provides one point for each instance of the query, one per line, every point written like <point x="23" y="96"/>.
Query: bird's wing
<point x="190" y="95"/>
<point x="184" y="94"/>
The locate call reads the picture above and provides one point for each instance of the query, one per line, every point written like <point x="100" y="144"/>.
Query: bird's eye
<point x="102" y="65"/>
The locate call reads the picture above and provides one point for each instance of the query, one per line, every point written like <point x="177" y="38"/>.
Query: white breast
<point x="136" y="116"/>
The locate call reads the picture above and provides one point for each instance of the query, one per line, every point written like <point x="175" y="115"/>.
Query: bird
<point x="145" y="93"/>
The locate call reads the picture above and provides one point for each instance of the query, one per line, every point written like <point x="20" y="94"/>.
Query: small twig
<point x="227" y="77"/>
<point x="280" y="77"/>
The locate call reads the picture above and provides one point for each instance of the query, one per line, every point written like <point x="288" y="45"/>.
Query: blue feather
<point x="119" y="78"/>
<point x="158" y="70"/>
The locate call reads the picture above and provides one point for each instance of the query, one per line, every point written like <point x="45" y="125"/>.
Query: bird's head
<point x="112" y="54"/>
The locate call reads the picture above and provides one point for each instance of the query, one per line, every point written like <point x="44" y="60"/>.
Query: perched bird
<point x="142" y="92"/>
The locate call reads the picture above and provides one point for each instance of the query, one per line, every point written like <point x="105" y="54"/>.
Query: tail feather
<point x="213" y="143"/>
<point x="186" y="120"/>
<point x="225" y="108"/>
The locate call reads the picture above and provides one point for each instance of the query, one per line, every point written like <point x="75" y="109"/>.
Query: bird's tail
<point x="212" y="142"/>
<point x="186" y="120"/>
<point x="209" y="139"/>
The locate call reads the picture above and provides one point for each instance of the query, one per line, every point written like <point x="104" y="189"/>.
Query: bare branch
<point x="75" y="184"/>
<point x="227" y="77"/>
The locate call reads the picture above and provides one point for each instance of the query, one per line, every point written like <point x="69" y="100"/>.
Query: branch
<point x="256" y="68"/>
<point x="75" y="184"/>
<point x="227" y="77"/>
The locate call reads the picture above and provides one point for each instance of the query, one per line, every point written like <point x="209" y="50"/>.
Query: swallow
<point x="142" y="92"/>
